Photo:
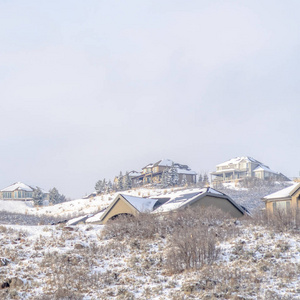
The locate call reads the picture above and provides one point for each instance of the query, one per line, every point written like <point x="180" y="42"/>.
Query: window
<point x="6" y="195"/>
<point x="282" y="205"/>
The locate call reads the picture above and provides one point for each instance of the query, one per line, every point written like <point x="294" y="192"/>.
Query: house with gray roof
<point x="152" y="173"/>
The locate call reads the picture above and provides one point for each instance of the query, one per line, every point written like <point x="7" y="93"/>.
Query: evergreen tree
<point x="38" y="197"/>
<point x="184" y="180"/>
<point x="200" y="181"/>
<point x="127" y="182"/>
<point x="205" y="179"/>
<point x="109" y="187"/>
<point x="173" y="175"/>
<point x="120" y="182"/>
<point x="99" y="186"/>
<point x="104" y="185"/>
<point x="54" y="196"/>
<point x="164" y="178"/>
<point x="62" y="198"/>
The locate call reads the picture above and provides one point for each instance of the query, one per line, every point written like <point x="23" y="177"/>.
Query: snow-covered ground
<point x="44" y="262"/>
<point x="79" y="262"/>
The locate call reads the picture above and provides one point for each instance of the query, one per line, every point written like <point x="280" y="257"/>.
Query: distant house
<point x="240" y="168"/>
<point x="19" y="191"/>
<point x="285" y="199"/>
<point x="206" y="197"/>
<point x="131" y="174"/>
<point x="152" y="173"/>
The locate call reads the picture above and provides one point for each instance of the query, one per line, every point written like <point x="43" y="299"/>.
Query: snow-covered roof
<point x="18" y="186"/>
<point x="237" y="160"/>
<point x="134" y="174"/>
<point x="183" y="198"/>
<point x="264" y="168"/>
<point x="284" y="193"/>
<point x="187" y="172"/>
<point x="164" y="162"/>
<point x="78" y="220"/>
<point x="141" y="204"/>
<point x="95" y="218"/>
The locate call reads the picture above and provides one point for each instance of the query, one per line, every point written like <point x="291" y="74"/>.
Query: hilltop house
<point x="131" y="206"/>
<point x="285" y="199"/>
<point x="240" y="168"/>
<point x="152" y="173"/>
<point x="19" y="191"/>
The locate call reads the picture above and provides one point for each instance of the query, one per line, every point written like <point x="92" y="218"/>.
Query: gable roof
<point x="18" y="186"/>
<point x="237" y="160"/>
<point x="285" y="193"/>
<point x="139" y="204"/>
<point x="164" y="162"/>
<point x="183" y="199"/>
<point x="264" y="168"/>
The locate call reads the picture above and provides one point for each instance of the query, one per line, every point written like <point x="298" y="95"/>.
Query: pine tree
<point x="38" y="197"/>
<point x="109" y="187"/>
<point x="184" y="180"/>
<point x="205" y="179"/>
<point x="164" y="178"/>
<point x="200" y="181"/>
<point x="173" y="175"/>
<point x="127" y="182"/>
<point x="54" y="196"/>
<point x="104" y="185"/>
<point x="99" y="186"/>
<point x="120" y="182"/>
<point x="62" y="198"/>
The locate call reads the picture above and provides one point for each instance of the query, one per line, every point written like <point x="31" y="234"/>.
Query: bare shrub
<point x="143" y="226"/>
<point x="70" y="274"/>
<point x="279" y="220"/>
<point x="146" y="226"/>
<point x="191" y="248"/>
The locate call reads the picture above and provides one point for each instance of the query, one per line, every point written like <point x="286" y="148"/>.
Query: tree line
<point x="54" y="197"/>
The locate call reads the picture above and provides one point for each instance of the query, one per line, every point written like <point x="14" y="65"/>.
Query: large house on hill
<point x="19" y="191"/>
<point x="152" y="173"/>
<point x="240" y="168"/>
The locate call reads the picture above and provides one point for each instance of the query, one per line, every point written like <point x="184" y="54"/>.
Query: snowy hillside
<point x="84" y="262"/>
<point x="250" y="198"/>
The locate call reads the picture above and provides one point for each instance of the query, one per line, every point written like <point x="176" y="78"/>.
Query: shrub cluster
<point x="279" y="220"/>
<point x="192" y="234"/>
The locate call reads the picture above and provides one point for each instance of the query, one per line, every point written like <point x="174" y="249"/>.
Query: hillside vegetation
<point x="186" y="255"/>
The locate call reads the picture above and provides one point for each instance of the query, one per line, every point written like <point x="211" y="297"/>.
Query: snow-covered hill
<point x="250" y="198"/>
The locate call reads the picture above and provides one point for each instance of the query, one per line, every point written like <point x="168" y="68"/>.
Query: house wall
<point x="220" y="203"/>
<point x="120" y="207"/>
<point x="16" y="195"/>
<point x="294" y="202"/>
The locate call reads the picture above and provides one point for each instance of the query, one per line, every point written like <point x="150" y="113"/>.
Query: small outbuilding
<point x="126" y="205"/>
<point x="285" y="199"/>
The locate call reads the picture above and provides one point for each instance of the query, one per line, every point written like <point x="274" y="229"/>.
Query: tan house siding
<point x="120" y="207"/>
<point x="290" y="201"/>
<point x="220" y="203"/>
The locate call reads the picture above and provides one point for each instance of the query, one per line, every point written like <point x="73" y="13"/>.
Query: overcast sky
<point x="91" y="88"/>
